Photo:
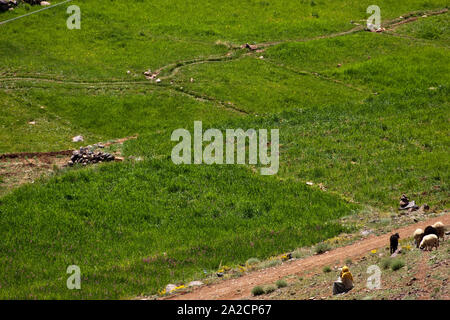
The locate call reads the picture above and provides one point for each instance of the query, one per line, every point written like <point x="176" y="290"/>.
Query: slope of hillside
<point x="362" y="116"/>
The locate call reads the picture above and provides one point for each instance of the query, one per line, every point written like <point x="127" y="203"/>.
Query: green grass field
<point x="365" y="114"/>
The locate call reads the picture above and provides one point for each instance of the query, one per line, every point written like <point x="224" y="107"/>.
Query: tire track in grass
<point x="315" y="74"/>
<point x="174" y="67"/>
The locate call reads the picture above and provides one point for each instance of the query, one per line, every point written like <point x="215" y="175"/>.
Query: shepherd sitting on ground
<point x="344" y="283"/>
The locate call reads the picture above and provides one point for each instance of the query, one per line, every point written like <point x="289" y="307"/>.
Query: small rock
<point x="371" y="27"/>
<point x="365" y="233"/>
<point x="158" y="80"/>
<point x="170" y="287"/>
<point x="250" y="47"/>
<point x="45" y="3"/>
<point x="77" y="139"/>
<point x="195" y="283"/>
<point x="128" y="72"/>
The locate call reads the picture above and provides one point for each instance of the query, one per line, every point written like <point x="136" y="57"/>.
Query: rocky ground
<point x="424" y="275"/>
<point x="17" y="169"/>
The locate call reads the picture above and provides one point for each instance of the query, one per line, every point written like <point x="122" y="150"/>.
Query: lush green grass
<point x="256" y="86"/>
<point x="324" y="55"/>
<point x="17" y="134"/>
<point x="368" y="147"/>
<point x="117" y="36"/>
<point x="99" y="115"/>
<point x="133" y="228"/>
<point x="432" y="28"/>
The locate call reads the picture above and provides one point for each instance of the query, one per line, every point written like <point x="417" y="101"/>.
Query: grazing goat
<point x="430" y="230"/>
<point x="418" y="235"/>
<point x="429" y="241"/>
<point x="440" y="228"/>
<point x="394" y="242"/>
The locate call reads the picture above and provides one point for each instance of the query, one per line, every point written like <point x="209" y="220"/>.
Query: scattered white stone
<point x="195" y="283"/>
<point x="128" y="72"/>
<point x="365" y="233"/>
<point x="192" y="79"/>
<point x="309" y="183"/>
<point x="77" y="139"/>
<point x="158" y="80"/>
<point x="261" y="57"/>
<point x="371" y="27"/>
<point x="45" y="3"/>
<point x="170" y="287"/>
<point x="32" y="122"/>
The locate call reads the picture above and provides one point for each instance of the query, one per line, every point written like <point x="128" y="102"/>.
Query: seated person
<point x="344" y="283"/>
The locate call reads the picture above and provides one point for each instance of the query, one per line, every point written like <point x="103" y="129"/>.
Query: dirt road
<point x="240" y="288"/>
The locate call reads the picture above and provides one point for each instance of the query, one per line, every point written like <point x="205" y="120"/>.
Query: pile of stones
<point x="86" y="156"/>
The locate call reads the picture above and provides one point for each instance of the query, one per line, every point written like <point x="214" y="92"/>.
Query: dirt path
<point x="240" y="288"/>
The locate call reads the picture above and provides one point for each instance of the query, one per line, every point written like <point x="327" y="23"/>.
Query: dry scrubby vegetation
<point x="368" y="131"/>
<point x="414" y="274"/>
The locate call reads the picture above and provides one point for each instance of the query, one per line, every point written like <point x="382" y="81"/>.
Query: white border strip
<point x="28" y="14"/>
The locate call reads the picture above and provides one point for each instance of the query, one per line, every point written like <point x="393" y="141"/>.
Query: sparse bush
<point x="258" y="290"/>
<point x="270" y="288"/>
<point x="281" y="283"/>
<point x="270" y="263"/>
<point x="321" y="248"/>
<point x="397" y="264"/>
<point x="297" y="254"/>
<point x="348" y="262"/>
<point x="326" y="269"/>
<point x="386" y="263"/>
<point x="253" y="261"/>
